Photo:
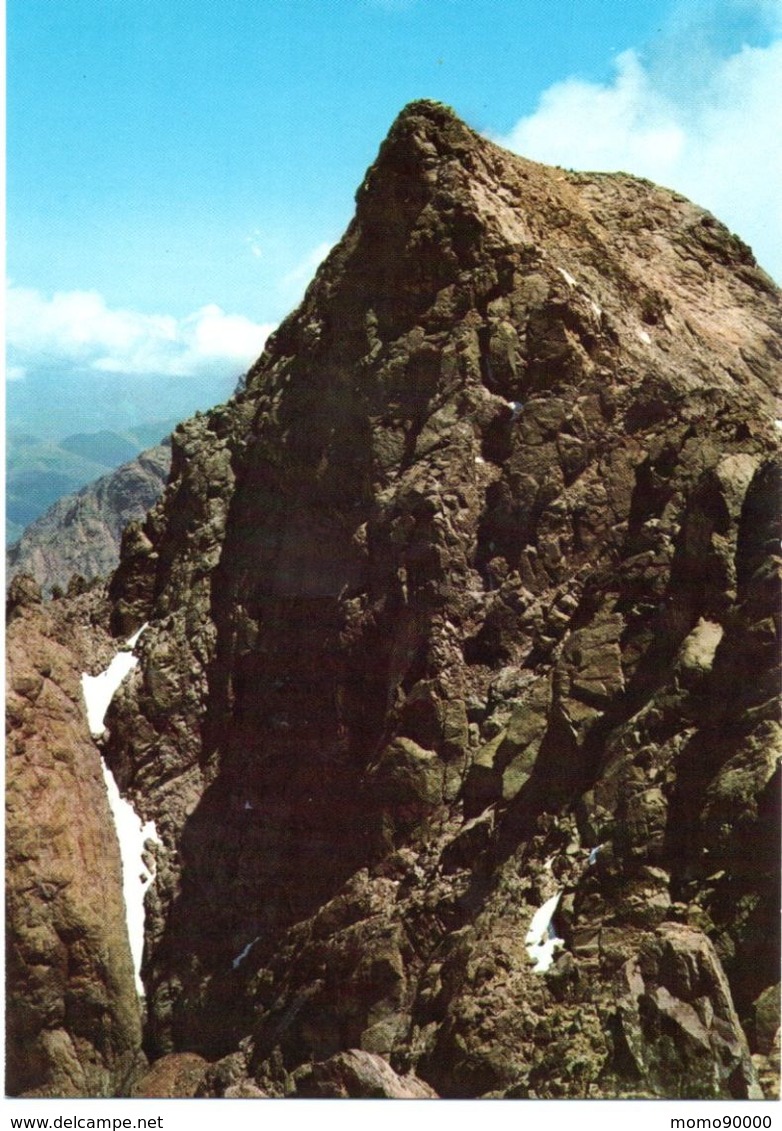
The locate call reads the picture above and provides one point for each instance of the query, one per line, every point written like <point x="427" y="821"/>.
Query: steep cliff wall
<point x="468" y="600"/>
<point x="73" y="1017"/>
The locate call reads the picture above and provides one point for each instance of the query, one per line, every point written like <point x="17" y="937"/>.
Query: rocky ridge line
<point x="470" y="598"/>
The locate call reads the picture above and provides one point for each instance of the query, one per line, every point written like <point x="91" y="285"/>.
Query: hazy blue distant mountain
<point x="40" y="471"/>
<point x="105" y="447"/>
<point x="81" y="532"/>
<point x="52" y="403"/>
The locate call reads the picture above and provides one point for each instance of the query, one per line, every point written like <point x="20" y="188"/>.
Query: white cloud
<point x="255" y="243"/>
<point x="78" y="328"/>
<point x="716" y="138"/>
<point x="598" y="126"/>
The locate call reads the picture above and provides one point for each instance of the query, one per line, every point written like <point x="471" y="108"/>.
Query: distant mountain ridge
<point x="104" y="446"/>
<point x="80" y="533"/>
<point x="41" y="471"/>
<point x="96" y="400"/>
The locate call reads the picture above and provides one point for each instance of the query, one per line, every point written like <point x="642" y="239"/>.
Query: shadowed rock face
<point x="469" y="597"/>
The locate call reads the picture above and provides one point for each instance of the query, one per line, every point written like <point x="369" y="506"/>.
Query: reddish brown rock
<point x="73" y="1015"/>
<point x="176" y="1076"/>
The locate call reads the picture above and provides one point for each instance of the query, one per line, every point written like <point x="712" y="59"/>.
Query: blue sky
<point x="176" y="168"/>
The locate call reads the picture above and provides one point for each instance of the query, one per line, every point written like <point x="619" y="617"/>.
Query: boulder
<point x="355" y="1074"/>
<point x="678" y="1020"/>
<point x="176" y="1076"/>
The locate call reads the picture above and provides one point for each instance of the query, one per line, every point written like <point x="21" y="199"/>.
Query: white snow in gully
<point x="541" y="940"/>
<point x="132" y="833"/>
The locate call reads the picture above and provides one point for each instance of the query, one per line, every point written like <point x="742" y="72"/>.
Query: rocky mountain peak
<point x="464" y="610"/>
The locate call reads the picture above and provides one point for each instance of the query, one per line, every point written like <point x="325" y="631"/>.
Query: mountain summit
<point x="455" y="705"/>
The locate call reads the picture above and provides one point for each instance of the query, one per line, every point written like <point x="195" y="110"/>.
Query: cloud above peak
<point x="79" y="329"/>
<point x="707" y="127"/>
<point x="599" y="125"/>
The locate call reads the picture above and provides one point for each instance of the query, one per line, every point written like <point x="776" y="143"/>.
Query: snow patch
<point x="99" y="690"/>
<point x="135" y="637"/>
<point x="596" y="310"/>
<point x="593" y="855"/>
<point x="778" y="425"/>
<point x="243" y="953"/>
<point x="541" y="940"/>
<point x="480" y="459"/>
<point x="132" y="835"/>
<point x="571" y="282"/>
<point x="644" y="337"/>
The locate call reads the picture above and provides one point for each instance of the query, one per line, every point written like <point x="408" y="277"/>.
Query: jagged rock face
<point x="470" y="598"/>
<point x="81" y="533"/>
<point x="72" y="1012"/>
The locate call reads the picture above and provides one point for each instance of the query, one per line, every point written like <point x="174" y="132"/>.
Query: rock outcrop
<point x="469" y="600"/>
<point x="72" y="1012"/>
<point x="356" y="1074"/>
<point x="80" y="534"/>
